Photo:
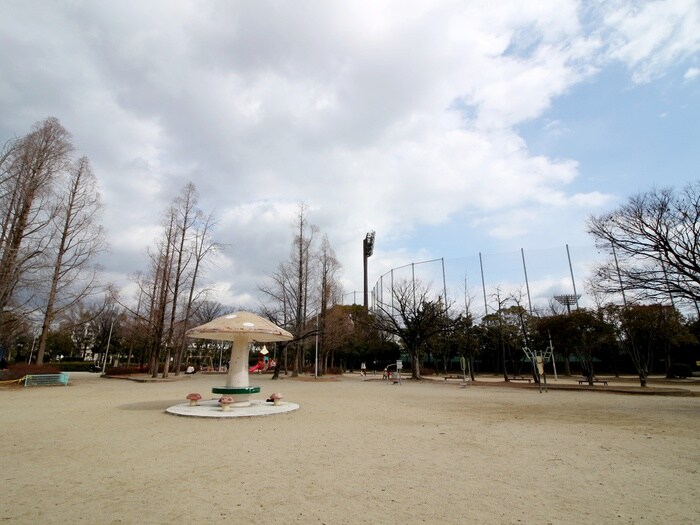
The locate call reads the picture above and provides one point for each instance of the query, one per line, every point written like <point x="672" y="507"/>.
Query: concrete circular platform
<point x="211" y="408"/>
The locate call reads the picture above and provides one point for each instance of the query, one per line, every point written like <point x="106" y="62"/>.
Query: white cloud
<point x="379" y="115"/>
<point x="651" y="36"/>
<point x="692" y="73"/>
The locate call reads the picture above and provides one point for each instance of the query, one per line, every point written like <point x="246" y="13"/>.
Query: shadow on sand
<point x="154" y="406"/>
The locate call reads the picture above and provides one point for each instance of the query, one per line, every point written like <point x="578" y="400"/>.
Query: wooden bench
<point x="453" y="377"/>
<point x="46" y="379"/>
<point x="600" y="381"/>
<point x="519" y="378"/>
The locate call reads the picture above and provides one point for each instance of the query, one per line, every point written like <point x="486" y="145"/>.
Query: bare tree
<point x="280" y="293"/>
<point x="290" y="285"/>
<point x="203" y="311"/>
<point x="161" y="269"/>
<point x="413" y="318"/>
<point x="176" y="265"/>
<point x="105" y="327"/>
<point x="656" y="243"/>
<point x="201" y="247"/>
<point x="330" y="293"/>
<point x="137" y="332"/>
<point x="79" y="239"/>
<point x="303" y="248"/>
<point x="527" y="327"/>
<point x="464" y="332"/>
<point x="185" y="216"/>
<point x="206" y="310"/>
<point x="501" y="325"/>
<point x="28" y="168"/>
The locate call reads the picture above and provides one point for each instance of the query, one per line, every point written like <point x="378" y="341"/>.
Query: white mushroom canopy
<point x="240" y="324"/>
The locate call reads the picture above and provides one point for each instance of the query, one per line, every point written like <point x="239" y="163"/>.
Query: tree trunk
<point x="643" y="375"/>
<point x="415" y="364"/>
<point x="166" y="361"/>
<point x="667" y="360"/>
<point x="153" y="361"/>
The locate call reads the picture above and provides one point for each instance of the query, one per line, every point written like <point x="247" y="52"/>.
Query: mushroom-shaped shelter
<point x="241" y="328"/>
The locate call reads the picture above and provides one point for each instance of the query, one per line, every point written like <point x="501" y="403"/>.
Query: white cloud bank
<point x="378" y="115"/>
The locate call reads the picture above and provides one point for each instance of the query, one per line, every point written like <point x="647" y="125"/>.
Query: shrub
<point x="679" y="371"/>
<point x="74" y="366"/>
<point x="19" y="370"/>
<point x="124" y="371"/>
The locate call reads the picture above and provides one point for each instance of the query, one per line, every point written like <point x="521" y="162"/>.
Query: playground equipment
<point x="205" y="362"/>
<point x="241" y="328"/>
<point x="465" y="366"/>
<point x="394" y="375"/>
<point x="257" y="367"/>
<point x="538" y="358"/>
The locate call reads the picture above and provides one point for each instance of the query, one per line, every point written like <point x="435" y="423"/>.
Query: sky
<point x="450" y="128"/>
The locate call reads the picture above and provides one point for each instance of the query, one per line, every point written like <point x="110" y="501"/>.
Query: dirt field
<point x="357" y="451"/>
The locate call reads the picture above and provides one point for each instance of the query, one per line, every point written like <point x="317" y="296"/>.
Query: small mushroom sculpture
<point x="193" y="398"/>
<point x="276" y="398"/>
<point x="225" y="402"/>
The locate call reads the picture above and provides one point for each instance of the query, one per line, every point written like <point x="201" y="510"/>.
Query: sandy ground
<point x="357" y="451"/>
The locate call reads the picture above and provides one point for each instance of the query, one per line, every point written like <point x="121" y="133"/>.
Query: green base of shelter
<point x="233" y="390"/>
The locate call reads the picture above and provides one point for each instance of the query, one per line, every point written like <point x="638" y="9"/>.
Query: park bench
<point x="453" y="377"/>
<point x="599" y="381"/>
<point x="520" y="378"/>
<point x="46" y="379"/>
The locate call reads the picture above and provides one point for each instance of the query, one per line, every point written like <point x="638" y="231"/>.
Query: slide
<point x="255" y="368"/>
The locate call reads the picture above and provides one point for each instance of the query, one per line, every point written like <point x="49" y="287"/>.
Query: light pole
<point x="316" y="358"/>
<point x="367" y="250"/>
<point x="109" y="338"/>
<point x="567" y="300"/>
<point x="31" y="351"/>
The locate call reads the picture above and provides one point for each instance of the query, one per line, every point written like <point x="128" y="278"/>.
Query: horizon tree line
<point x="50" y="236"/>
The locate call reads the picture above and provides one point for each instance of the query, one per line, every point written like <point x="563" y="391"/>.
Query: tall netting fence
<point x="533" y="278"/>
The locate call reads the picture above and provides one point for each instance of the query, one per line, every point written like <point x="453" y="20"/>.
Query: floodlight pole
<point x="573" y="281"/>
<point x="567" y="300"/>
<point x="367" y="250"/>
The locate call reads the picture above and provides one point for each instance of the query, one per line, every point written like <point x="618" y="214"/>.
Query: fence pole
<point x="393" y="308"/>
<point x="527" y="284"/>
<point x="413" y="278"/>
<point x="483" y="285"/>
<point x="619" y="276"/>
<point x="444" y="284"/>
